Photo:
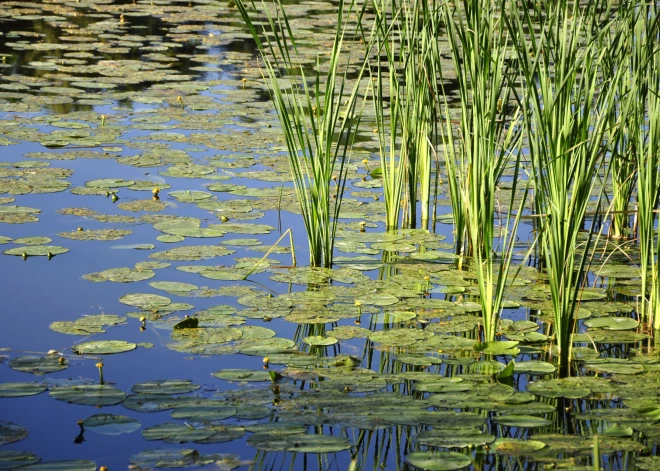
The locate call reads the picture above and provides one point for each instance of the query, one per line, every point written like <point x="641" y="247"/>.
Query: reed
<point x="563" y="103"/>
<point x="478" y="152"/>
<point x="647" y="37"/>
<point x="319" y="118"/>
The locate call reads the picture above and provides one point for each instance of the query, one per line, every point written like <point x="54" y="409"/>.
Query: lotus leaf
<point x="438" y="461"/>
<point x="20" y="389"/>
<point x="88" y="394"/>
<point x="103" y="347"/>
<point x="108" y="424"/>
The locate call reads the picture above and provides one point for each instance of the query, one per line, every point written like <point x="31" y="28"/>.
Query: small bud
<point x="114" y="198"/>
<point x="155" y="191"/>
<point x="61" y="360"/>
<point x="224" y="218"/>
<point x="80" y="229"/>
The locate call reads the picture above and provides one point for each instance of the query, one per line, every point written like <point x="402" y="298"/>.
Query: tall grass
<point x="563" y="100"/>
<point x="319" y="120"/>
<point x="487" y="142"/>
<point x="647" y="40"/>
<point x="406" y="84"/>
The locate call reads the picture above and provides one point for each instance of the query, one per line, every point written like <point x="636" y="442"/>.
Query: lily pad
<point x="100" y="234"/>
<point x="36" y="251"/>
<point x="20" y="389"/>
<point x="165" y="386"/>
<point x="12" y="459"/>
<point x="88" y="394"/>
<point x="299" y="443"/>
<point x="103" y="347"/>
<point x="108" y="424"/>
<point x="438" y="461"/>
<point x="70" y="465"/>
<point x="242" y="375"/>
<point x="517" y="447"/>
<point x="38" y="365"/>
<point x="11" y="432"/>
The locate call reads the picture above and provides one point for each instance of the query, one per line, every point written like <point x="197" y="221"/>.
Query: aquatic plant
<point x="562" y="116"/>
<point x="488" y="141"/>
<point x="319" y="121"/>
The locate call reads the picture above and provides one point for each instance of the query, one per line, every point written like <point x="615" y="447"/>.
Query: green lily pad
<point x="319" y="341"/>
<point x="454" y="437"/>
<point x="400" y="337"/>
<point x="438" y="461"/>
<point x="11" y="432"/>
<point x="87" y="325"/>
<point x="165" y="386"/>
<point x="141" y="205"/>
<point x="521" y="421"/>
<point x="191" y="253"/>
<point x="173" y="286"/>
<point x="36" y="251"/>
<point x="145" y="300"/>
<point x="612" y="323"/>
<point x="182" y="458"/>
<point x="534" y="367"/>
<point x="33" y="240"/>
<point x="71" y="465"/>
<point x="101" y="234"/>
<point x="38" y="365"/>
<point x="12" y="459"/>
<point x="242" y="375"/>
<point x="108" y="424"/>
<point x="190" y="196"/>
<point x="20" y="389"/>
<point x="88" y="394"/>
<point x="517" y="447"/>
<point x="120" y="275"/>
<point x="204" y="412"/>
<point x="109" y="183"/>
<point x="103" y="347"/>
<point x="299" y="443"/>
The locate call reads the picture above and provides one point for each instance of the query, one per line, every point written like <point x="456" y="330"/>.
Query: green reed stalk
<point x="647" y="38"/>
<point x="487" y="139"/>
<point x="624" y="117"/>
<point x="407" y="33"/>
<point x="562" y="114"/>
<point x="319" y="122"/>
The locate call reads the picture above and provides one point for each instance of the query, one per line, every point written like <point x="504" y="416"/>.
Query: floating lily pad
<point x="182" y="458"/>
<point x="103" y="347"/>
<point x="141" y="205"/>
<point x="319" y="341"/>
<point x="173" y="286"/>
<point x="299" y="443"/>
<point x="20" y="389"/>
<point x="72" y="465"/>
<point x="145" y="300"/>
<point x="534" y="367"/>
<point x="38" y="365"/>
<point x="438" y="461"/>
<point x="190" y="253"/>
<point x="190" y="196"/>
<point x="36" y="250"/>
<point x="120" y="275"/>
<point x="109" y="183"/>
<point x="612" y="323"/>
<point x="87" y="325"/>
<point x="101" y="234"/>
<point x="242" y="375"/>
<point x="11" y="432"/>
<point x="12" y="459"/>
<point x="33" y="240"/>
<point x="454" y="437"/>
<point x="521" y="421"/>
<point x="165" y="386"/>
<point x="108" y="424"/>
<point x="517" y="447"/>
<point x="88" y="394"/>
<point x="205" y="411"/>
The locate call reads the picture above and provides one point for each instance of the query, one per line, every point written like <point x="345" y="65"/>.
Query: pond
<point x="157" y="314"/>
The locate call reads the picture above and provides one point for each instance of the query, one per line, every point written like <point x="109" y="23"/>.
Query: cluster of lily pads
<point x="171" y="103"/>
